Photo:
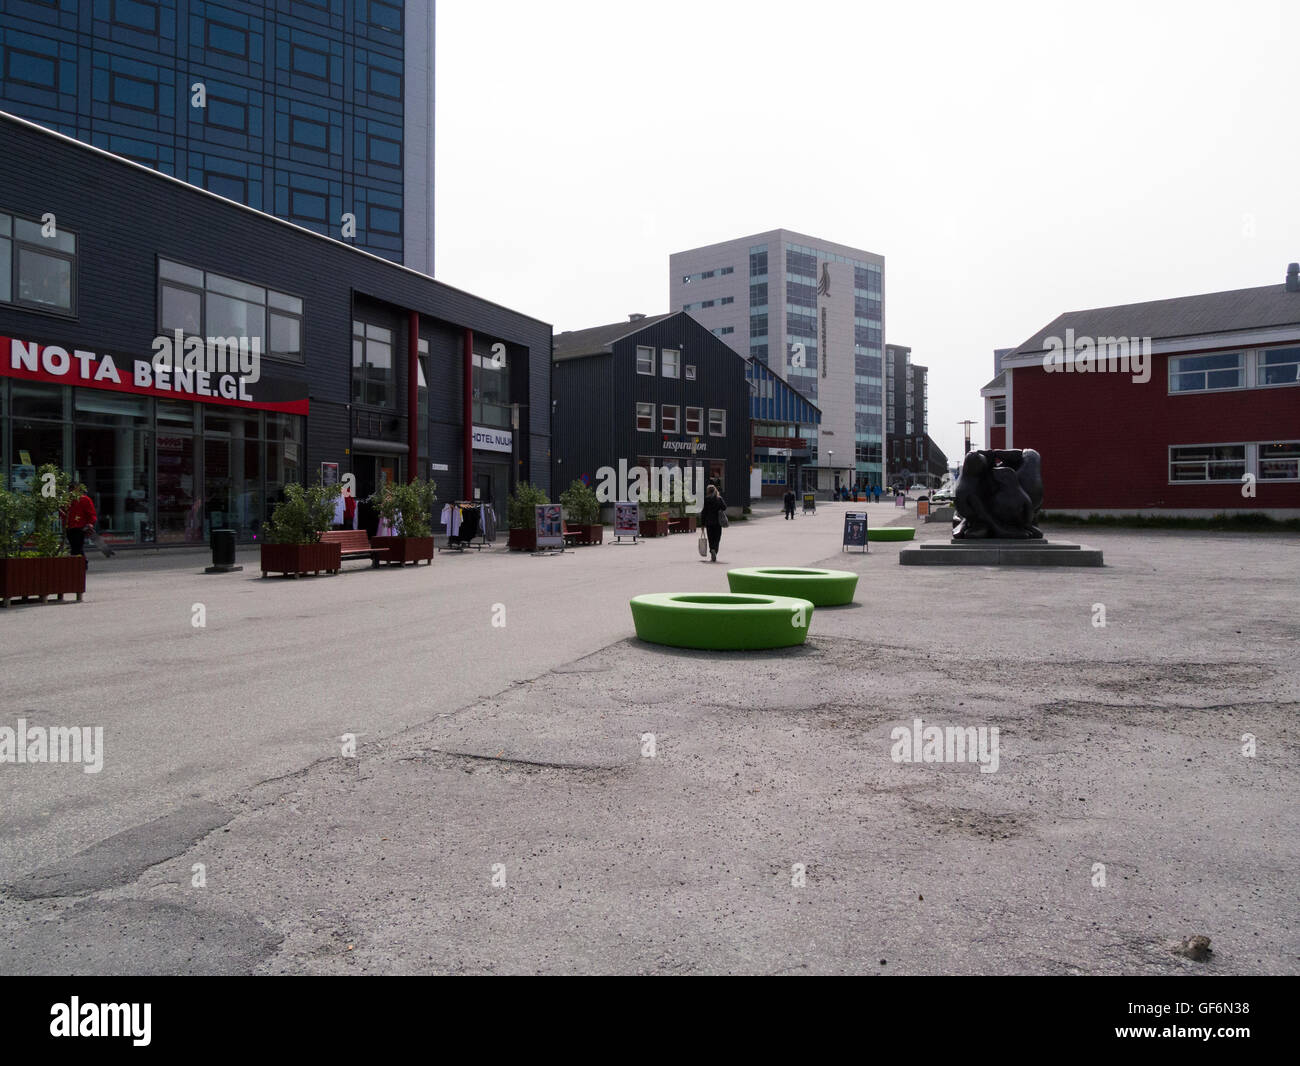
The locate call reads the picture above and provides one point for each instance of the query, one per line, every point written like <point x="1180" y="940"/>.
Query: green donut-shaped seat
<point x="891" y="533"/>
<point x="720" y="621"/>
<point x="824" y="588"/>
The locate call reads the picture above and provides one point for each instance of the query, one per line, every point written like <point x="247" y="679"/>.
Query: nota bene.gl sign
<point x="54" y="365"/>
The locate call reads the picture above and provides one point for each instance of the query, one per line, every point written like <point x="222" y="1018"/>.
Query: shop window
<point x="671" y="362"/>
<point x="373" y="378"/>
<point x="1279" y="461"/>
<point x="1207" y="462"/>
<point x="717" y="422"/>
<point x="645" y="417"/>
<point x="645" y="360"/>
<point x="31" y="400"/>
<point x="37" y="270"/>
<point x="694" y="421"/>
<point x="668" y="418"/>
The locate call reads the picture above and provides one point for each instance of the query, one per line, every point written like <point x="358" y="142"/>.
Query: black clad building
<point x="653" y="392"/>
<point x="100" y="258"/>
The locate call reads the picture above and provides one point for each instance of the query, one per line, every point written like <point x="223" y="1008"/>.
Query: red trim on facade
<point x="413" y="394"/>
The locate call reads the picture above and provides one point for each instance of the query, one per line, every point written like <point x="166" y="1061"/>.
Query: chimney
<point x="635" y="318"/>
<point x="1293" y="277"/>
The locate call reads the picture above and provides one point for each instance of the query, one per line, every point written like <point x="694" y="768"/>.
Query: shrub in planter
<point x="33" y="557"/>
<point x="522" y="516"/>
<point x="409" y="510"/>
<point x="582" y="512"/>
<point x="291" y="539"/>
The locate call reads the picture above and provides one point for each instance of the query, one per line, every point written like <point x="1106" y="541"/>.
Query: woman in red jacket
<point x="78" y="519"/>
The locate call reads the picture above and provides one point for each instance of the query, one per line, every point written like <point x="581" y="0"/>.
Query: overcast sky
<point x="1010" y="161"/>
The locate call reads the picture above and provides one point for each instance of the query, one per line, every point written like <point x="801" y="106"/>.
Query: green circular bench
<point x="823" y="588"/>
<point x="719" y="621"/>
<point x="891" y="533"/>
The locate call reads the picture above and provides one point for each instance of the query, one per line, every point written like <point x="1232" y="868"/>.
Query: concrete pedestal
<point x="1001" y="553"/>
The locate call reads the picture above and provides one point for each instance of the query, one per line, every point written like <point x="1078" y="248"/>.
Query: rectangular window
<point x="645" y="417"/>
<point x="308" y="134"/>
<point x="668" y="418"/>
<point x="690" y="371"/>
<point x="1207" y="462"/>
<point x="310" y="62"/>
<point x="1278" y="366"/>
<point x="717" y="422"/>
<point x="672" y="362"/>
<point x="757" y="264"/>
<point x="373" y="380"/>
<point x="694" y="421"/>
<point x="727" y="270"/>
<point x="1203" y="373"/>
<point x="1000" y="412"/>
<point x="1279" y="461"/>
<point x="228" y="39"/>
<point x="134" y="93"/>
<point x="645" y="360"/>
<point x="137" y="15"/>
<point x="907" y="449"/>
<point x="758" y="325"/>
<point x="211" y="305"/>
<point x="36" y="270"/>
<point x="25" y="68"/>
<point x="728" y="299"/>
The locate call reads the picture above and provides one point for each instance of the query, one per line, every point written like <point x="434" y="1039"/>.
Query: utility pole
<point x="967" y="423"/>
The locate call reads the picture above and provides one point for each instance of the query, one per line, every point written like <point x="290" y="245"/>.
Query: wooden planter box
<point x="57" y="577"/>
<point x="522" y="540"/>
<point x="403" y="550"/>
<point x="655" y="527"/>
<point x="685" y="524"/>
<point x="301" y="559"/>
<point x="594" y="534"/>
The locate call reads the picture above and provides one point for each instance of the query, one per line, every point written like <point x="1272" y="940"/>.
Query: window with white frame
<point x="694" y="421"/>
<point x="690" y="371"/>
<point x="1207" y="462"/>
<point x="672" y="362"/>
<point x="668" y="418"/>
<point x="645" y="417"/>
<point x="717" y="422"/>
<point x="1279" y="461"/>
<point x="1277" y="366"/>
<point x="1000" y="411"/>
<point x="1205" y="373"/>
<point x="645" y="360"/>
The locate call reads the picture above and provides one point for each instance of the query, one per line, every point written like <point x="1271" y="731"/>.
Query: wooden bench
<point x="353" y="543"/>
<point x="571" y="536"/>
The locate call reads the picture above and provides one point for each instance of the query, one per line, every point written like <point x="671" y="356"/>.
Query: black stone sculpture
<point x="998" y="495"/>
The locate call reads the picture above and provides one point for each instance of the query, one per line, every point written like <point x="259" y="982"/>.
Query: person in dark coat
<point x="789" y="503"/>
<point x="714" y="507"/>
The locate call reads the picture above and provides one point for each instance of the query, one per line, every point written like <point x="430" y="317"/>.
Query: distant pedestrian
<point x="79" y="518"/>
<point x="713" y="514"/>
<point x="789" y="504"/>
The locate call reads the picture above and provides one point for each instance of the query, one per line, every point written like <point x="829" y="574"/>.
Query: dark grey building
<point x="366" y="367"/>
<point x="910" y="455"/>
<point x="652" y="392"/>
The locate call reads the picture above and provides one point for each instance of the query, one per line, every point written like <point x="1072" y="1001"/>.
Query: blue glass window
<point x="306" y="206"/>
<point x="309" y="134"/>
<point x="132" y="92"/>
<point x="224" y="185"/>
<point x="384" y="83"/>
<point x="386" y="16"/>
<point x="384" y="220"/>
<point x="229" y="39"/>
<point x="29" y="69"/>
<point x="308" y="61"/>
<point x="382" y="150"/>
<point x="137" y="15"/>
<point x="227" y="114"/>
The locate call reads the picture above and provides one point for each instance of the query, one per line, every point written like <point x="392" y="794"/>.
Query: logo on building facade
<point x="824" y="286"/>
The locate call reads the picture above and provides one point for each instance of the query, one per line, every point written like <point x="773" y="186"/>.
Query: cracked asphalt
<point x="553" y="796"/>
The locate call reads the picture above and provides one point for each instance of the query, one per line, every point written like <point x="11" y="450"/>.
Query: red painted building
<point x="1183" y="406"/>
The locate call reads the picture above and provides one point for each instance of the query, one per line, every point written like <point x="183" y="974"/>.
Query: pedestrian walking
<point x="714" y="514"/>
<point x="79" y="518"/>
<point x="789" y="504"/>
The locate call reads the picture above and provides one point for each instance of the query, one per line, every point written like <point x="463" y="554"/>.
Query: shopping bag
<point x="96" y="541"/>
<point x="704" y="542"/>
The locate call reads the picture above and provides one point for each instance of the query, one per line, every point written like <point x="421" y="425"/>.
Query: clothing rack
<point x="473" y="522"/>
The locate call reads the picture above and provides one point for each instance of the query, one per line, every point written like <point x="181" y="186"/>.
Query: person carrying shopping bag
<point x="714" y="517"/>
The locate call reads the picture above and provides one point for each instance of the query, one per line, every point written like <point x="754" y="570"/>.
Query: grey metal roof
<point x="575" y="343"/>
<point x="1183" y="316"/>
<point x="999" y="382"/>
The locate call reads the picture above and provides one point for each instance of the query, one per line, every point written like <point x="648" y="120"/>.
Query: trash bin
<point x="922" y="507"/>
<point x="223" y="552"/>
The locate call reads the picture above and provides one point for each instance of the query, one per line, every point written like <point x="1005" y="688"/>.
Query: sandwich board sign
<point x="855" y="530"/>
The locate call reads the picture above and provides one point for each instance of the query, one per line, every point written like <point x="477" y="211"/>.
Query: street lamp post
<point x="967" y="423"/>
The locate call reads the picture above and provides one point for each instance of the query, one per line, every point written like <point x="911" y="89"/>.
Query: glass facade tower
<point x="317" y="111"/>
